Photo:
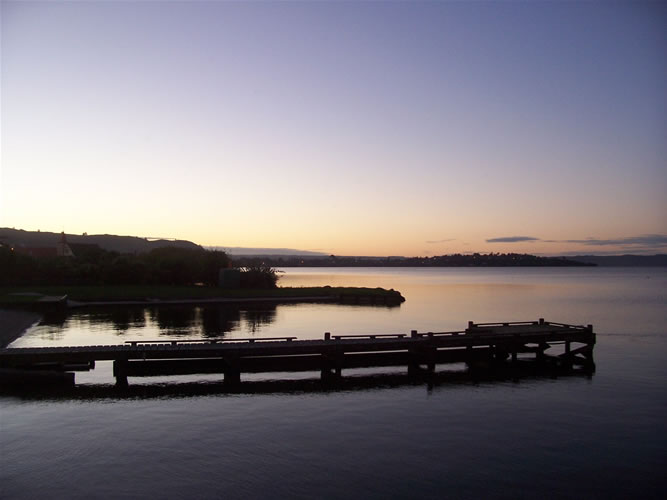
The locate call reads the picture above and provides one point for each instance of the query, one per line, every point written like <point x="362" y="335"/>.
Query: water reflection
<point x="52" y="327"/>
<point x="223" y="319"/>
<point x="524" y="372"/>
<point x="218" y="321"/>
<point x="121" y="319"/>
<point x="174" y="321"/>
<point x="257" y="319"/>
<point x="55" y="319"/>
<point x="183" y="321"/>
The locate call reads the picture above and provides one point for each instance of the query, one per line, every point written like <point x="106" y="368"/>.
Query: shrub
<point x="259" y="276"/>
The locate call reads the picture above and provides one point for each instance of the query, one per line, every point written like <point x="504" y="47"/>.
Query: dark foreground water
<point x="603" y="436"/>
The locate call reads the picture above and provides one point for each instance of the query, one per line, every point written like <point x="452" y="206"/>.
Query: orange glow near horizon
<point x="205" y="121"/>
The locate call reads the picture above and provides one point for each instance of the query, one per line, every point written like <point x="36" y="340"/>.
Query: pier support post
<point x="590" y="362"/>
<point x="431" y="354"/>
<point x="413" y="357"/>
<point x="417" y="358"/>
<point x="332" y="367"/>
<point x="231" y="370"/>
<point x="515" y="347"/>
<point x="568" y="356"/>
<point x="540" y="357"/>
<point x="469" y="360"/>
<point x="413" y="364"/>
<point x="120" y="372"/>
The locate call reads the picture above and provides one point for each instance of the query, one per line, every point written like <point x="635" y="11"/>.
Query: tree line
<point x="93" y="265"/>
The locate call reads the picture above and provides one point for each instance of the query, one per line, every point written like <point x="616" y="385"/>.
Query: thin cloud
<point x="647" y="240"/>
<point x="512" y="239"/>
<point x="606" y="251"/>
<point x="433" y="242"/>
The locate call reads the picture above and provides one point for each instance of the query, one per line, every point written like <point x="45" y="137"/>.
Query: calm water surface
<point x="603" y="436"/>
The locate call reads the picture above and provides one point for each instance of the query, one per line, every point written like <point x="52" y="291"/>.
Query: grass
<point x="164" y="292"/>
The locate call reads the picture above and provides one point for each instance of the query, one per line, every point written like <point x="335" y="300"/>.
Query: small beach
<point x="13" y="323"/>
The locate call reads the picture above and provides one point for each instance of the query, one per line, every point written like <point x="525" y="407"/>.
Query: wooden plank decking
<point x="420" y="352"/>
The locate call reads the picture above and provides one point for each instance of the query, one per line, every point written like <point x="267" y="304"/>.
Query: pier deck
<point x="481" y="343"/>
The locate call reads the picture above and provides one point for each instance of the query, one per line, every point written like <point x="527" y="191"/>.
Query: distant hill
<point x="455" y="260"/>
<point x="623" y="260"/>
<point x="112" y="243"/>
<point x="264" y="252"/>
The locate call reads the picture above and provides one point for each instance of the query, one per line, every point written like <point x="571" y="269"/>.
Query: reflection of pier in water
<point x="526" y="371"/>
<point x="488" y="345"/>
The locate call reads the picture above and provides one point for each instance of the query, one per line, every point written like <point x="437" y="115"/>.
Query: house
<point x="61" y="249"/>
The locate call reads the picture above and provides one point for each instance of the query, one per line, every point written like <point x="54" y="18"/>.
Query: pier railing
<point x="250" y="340"/>
<point x="540" y="322"/>
<point x="413" y="334"/>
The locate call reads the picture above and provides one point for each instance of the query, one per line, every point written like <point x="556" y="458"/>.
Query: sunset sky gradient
<point x="342" y="127"/>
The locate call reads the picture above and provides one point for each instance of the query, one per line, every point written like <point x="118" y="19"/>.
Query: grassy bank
<point x="32" y="294"/>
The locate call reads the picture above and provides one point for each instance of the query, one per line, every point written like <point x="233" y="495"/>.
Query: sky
<point x="350" y="128"/>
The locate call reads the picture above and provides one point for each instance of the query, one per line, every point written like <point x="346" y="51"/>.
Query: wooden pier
<point x="480" y="345"/>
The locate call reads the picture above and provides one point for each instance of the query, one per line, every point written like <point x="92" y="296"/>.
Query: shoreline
<point x="14" y="323"/>
<point x="99" y="295"/>
<point x="212" y="300"/>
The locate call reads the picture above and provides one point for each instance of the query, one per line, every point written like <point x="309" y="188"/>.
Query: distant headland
<point x="454" y="260"/>
<point x="42" y="244"/>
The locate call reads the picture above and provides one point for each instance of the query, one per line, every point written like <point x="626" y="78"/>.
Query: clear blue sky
<point x="345" y="127"/>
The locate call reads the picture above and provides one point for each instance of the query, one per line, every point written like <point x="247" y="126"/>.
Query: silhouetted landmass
<point x="94" y="266"/>
<point x="78" y="295"/>
<point x="659" y="260"/>
<point x="121" y="244"/>
<point x="246" y="251"/>
<point x="163" y="274"/>
<point x="33" y="258"/>
<point x="34" y="267"/>
<point x="455" y="260"/>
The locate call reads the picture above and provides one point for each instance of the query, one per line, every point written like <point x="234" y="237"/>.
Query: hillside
<point x="112" y="243"/>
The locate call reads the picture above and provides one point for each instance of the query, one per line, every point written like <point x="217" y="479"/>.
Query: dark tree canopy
<point x="94" y="266"/>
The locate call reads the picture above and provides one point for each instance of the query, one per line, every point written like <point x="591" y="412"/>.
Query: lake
<point x="599" y="436"/>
